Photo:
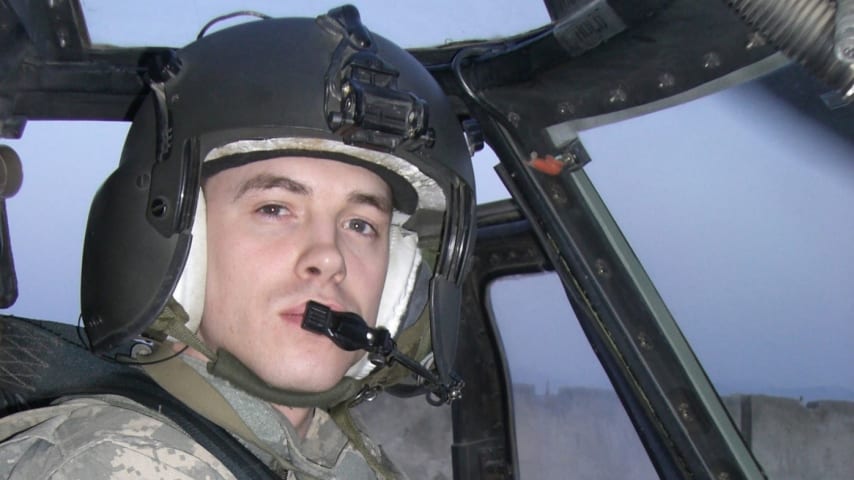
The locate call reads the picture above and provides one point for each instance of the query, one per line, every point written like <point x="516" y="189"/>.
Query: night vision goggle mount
<point x="363" y="102"/>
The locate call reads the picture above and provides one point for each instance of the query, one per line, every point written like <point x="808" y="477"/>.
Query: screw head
<point x="159" y="208"/>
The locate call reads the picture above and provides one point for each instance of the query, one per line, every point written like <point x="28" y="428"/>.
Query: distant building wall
<point x="579" y="433"/>
<point x="415" y="434"/>
<point x="793" y="441"/>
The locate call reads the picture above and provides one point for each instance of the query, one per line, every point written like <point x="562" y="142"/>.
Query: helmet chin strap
<point x="347" y="330"/>
<point x="223" y="364"/>
<point x="228" y="367"/>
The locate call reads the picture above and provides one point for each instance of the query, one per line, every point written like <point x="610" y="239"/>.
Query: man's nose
<point x="321" y="258"/>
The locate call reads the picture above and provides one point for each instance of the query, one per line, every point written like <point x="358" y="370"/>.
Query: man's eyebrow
<point x="380" y="202"/>
<point x="266" y="181"/>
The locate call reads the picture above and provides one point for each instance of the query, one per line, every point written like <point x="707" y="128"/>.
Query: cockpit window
<point x="738" y="206"/>
<point x="567" y="416"/>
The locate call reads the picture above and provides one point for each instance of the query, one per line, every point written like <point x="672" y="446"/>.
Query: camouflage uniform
<point x="111" y="437"/>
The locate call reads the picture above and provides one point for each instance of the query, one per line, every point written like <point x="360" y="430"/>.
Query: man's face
<point x="282" y="232"/>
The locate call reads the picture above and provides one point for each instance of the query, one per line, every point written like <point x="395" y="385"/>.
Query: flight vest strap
<point x="41" y="361"/>
<point x="182" y="382"/>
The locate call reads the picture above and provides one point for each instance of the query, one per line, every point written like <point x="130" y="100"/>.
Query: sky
<point x="738" y="208"/>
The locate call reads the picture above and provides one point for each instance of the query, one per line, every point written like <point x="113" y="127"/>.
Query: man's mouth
<point x="296" y="314"/>
<point x="292" y="318"/>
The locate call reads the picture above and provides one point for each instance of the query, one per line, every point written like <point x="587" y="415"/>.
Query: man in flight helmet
<point x="288" y="229"/>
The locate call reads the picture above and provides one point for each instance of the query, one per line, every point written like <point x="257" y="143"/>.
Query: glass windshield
<point x="739" y="210"/>
<point x="567" y="415"/>
<point x="408" y="23"/>
<point x="738" y="206"/>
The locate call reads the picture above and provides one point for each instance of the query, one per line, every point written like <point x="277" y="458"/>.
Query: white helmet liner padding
<point x="190" y="289"/>
<point x="430" y="195"/>
<point x="404" y="255"/>
<point x="403" y="260"/>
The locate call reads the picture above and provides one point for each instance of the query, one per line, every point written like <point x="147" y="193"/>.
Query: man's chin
<point x="304" y="383"/>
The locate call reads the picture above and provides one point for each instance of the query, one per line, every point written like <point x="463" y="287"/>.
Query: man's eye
<point x="361" y="226"/>
<point x="273" y="210"/>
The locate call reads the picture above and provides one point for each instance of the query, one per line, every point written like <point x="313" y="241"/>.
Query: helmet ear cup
<point x="403" y="261"/>
<point x="129" y="267"/>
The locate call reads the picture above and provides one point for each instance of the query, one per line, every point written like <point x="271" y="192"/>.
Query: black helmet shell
<point x="268" y="79"/>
